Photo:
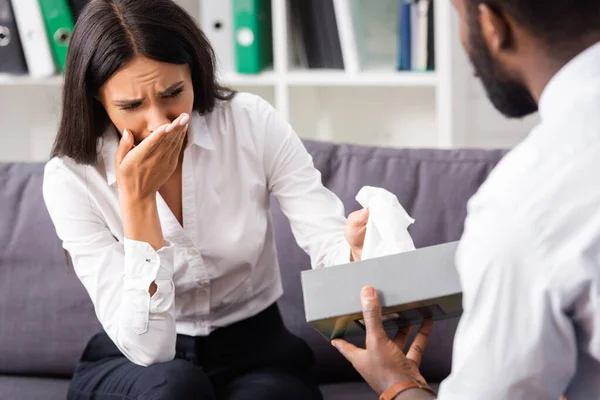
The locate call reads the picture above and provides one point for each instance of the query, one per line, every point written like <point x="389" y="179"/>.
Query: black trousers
<point x="255" y="359"/>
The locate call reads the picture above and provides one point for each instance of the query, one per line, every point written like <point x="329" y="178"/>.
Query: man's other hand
<point x="383" y="362"/>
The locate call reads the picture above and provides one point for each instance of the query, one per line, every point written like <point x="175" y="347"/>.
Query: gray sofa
<point x="46" y="317"/>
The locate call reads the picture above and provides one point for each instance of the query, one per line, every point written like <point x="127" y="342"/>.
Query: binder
<point x="431" y="36"/>
<point x="300" y="56"/>
<point x="419" y="31"/>
<point x="217" y="24"/>
<point x="311" y="27"/>
<point x="253" y="35"/>
<point x="77" y="7"/>
<point x="34" y="38"/>
<point x="347" y="34"/>
<point x="59" y="26"/>
<point x="12" y="59"/>
<point x="404" y="35"/>
<point x="331" y="36"/>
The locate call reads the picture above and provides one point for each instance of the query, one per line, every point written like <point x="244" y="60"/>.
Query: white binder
<point x="216" y="21"/>
<point x="34" y="39"/>
<point x="347" y="33"/>
<point x="420" y="17"/>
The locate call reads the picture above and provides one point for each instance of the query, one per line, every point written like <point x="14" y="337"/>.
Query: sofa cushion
<point x="12" y="387"/>
<point x="45" y="314"/>
<point x="434" y="187"/>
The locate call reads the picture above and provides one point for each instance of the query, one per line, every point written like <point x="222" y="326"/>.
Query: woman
<point x="159" y="188"/>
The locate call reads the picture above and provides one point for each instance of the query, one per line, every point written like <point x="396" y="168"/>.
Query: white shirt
<point x="221" y="267"/>
<point x="529" y="260"/>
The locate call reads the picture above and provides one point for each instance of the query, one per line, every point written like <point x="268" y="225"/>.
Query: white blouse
<point x="221" y="266"/>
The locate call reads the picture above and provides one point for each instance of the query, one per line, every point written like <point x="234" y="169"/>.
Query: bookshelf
<point x="376" y="106"/>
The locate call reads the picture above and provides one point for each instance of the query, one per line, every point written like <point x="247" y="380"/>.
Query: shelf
<point x="25" y="80"/>
<point x="367" y="78"/>
<point x="266" y="78"/>
<point x="293" y="78"/>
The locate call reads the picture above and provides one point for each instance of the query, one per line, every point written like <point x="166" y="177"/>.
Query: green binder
<point x="59" y="25"/>
<point x="253" y="33"/>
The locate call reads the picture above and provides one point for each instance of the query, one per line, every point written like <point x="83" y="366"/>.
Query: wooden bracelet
<point x="399" y="387"/>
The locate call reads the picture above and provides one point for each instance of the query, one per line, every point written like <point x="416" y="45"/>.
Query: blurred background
<point x="386" y="73"/>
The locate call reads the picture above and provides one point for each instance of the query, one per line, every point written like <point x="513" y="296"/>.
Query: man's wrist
<point x="415" y="394"/>
<point x="409" y="388"/>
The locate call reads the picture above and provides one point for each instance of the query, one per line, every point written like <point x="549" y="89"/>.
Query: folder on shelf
<point x="404" y="35"/>
<point x="318" y="28"/>
<point x="59" y="26"/>
<point x="217" y="24"/>
<point x="297" y="42"/>
<point x="34" y="38"/>
<point x="419" y="31"/>
<point x="77" y="6"/>
<point x="376" y="26"/>
<point x="331" y="38"/>
<point x="347" y="34"/>
<point x="431" y="36"/>
<point x="253" y="35"/>
<point x="12" y="59"/>
<point x="303" y="15"/>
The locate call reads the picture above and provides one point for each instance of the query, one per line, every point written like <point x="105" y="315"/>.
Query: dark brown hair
<point x="108" y="34"/>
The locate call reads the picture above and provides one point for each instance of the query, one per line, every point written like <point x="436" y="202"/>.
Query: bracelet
<point x="402" y="386"/>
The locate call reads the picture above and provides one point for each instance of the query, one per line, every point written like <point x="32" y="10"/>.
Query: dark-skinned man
<point x="529" y="258"/>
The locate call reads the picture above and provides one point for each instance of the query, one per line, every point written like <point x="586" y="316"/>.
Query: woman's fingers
<point x="176" y="150"/>
<point x="182" y="120"/>
<point x="154" y="142"/>
<point x="165" y="141"/>
<point x="161" y="139"/>
<point x="178" y="129"/>
<point x="125" y="144"/>
<point x="171" y="135"/>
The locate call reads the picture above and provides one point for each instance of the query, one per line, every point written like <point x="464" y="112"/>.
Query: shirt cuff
<point x="144" y="265"/>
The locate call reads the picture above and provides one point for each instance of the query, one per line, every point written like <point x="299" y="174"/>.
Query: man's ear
<point x="495" y="28"/>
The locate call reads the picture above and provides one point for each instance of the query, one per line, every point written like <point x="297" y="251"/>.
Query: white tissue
<point x="387" y="226"/>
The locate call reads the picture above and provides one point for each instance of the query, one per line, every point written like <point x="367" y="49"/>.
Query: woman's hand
<point x="355" y="231"/>
<point x="142" y="170"/>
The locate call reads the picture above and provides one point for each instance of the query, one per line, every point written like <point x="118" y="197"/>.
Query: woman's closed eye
<point x="173" y="94"/>
<point x="131" y="106"/>
<point x="136" y="104"/>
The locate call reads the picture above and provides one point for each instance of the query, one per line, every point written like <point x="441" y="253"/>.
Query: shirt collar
<point x="107" y="146"/>
<point x="569" y="82"/>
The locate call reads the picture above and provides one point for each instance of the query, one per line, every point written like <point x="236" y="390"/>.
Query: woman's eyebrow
<point x="166" y="92"/>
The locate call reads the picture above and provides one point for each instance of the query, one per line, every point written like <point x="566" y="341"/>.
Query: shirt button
<point x="192" y="252"/>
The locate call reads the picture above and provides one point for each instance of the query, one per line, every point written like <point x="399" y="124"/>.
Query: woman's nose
<point x="155" y="120"/>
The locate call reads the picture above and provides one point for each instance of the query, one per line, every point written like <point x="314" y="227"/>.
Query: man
<point x="529" y="259"/>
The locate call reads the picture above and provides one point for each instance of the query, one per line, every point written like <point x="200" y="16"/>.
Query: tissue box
<point x="413" y="286"/>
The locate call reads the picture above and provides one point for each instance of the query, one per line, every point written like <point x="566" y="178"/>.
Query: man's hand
<point x="355" y="231"/>
<point x="383" y="362"/>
